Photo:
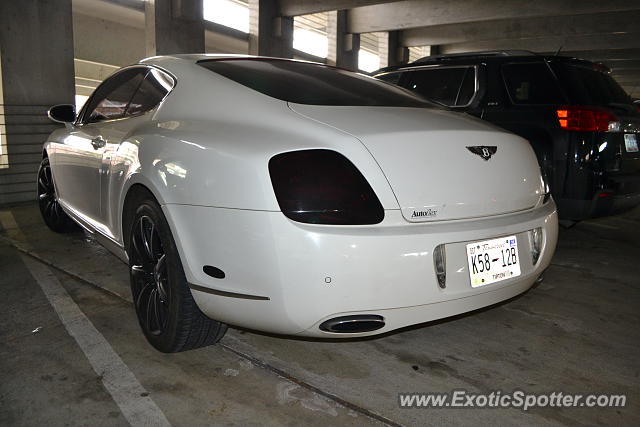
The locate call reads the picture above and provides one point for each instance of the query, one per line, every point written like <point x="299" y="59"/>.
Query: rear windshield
<point x="314" y="84"/>
<point x="586" y="85"/>
<point x="451" y="86"/>
<point x="531" y="84"/>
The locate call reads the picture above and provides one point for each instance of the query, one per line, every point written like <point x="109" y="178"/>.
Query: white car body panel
<point x="204" y="153"/>
<point x="433" y="170"/>
<point x="371" y="269"/>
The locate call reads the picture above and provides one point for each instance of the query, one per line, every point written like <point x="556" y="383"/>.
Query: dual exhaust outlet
<point x="354" y="324"/>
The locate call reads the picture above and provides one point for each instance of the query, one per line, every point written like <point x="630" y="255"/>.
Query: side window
<point x="153" y="89"/>
<point x="467" y="88"/>
<point x="453" y="86"/>
<point x="111" y="98"/>
<point x="531" y="83"/>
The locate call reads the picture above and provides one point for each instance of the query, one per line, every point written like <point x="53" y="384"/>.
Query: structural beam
<point x="604" y="55"/>
<point x="423" y="13"/>
<point x="125" y="44"/>
<point x="174" y="26"/>
<point x="626" y="75"/>
<point x="550" y="44"/>
<point x="303" y="7"/>
<point x="557" y="26"/>
<point x="621" y="65"/>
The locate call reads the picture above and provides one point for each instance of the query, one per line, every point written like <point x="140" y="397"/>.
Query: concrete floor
<point x="577" y="332"/>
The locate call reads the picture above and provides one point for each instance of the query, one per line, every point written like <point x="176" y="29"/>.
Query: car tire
<point x="52" y="214"/>
<point x="167" y="313"/>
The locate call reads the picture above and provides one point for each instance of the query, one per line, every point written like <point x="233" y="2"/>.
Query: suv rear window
<point x="451" y="86"/>
<point x="315" y="84"/>
<point x="390" y="77"/>
<point x="585" y="85"/>
<point x="531" y="83"/>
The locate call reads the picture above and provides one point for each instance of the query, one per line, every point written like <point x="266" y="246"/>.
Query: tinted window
<point x="531" y="83"/>
<point x="111" y="98"/>
<point x="152" y="90"/>
<point x="390" y="77"/>
<point x="307" y="83"/>
<point x="449" y="86"/>
<point x="586" y="85"/>
<point x="467" y="88"/>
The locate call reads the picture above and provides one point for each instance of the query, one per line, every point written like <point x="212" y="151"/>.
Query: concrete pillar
<point x="173" y="26"/>
<point x="270" y="34"/>
<point x="395" y="54"/>
<point x="384" y="48"/>
<point x="36" y="56"/>
<point x="435" y="49"/>
<point x="343" y="46"/>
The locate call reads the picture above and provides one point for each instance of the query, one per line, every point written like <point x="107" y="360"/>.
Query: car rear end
<point x="602" y="128"/>
<point x="382" y="211"/>
<point x="581" y="124"/>
<point x="474" y="224"/>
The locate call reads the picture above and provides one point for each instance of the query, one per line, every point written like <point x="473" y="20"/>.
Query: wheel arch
<point x="136" y="189"/>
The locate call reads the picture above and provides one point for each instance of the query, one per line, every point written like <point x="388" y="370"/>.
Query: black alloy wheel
<point x="151" y="292"/>
<point x="167" y="313"/>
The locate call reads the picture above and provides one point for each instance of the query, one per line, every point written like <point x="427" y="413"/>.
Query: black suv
<point x="582" y="125"/>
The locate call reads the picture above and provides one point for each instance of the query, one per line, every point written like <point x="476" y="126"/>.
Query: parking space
<point x="576" y="332"/>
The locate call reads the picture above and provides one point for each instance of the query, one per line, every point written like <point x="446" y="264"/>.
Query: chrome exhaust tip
<point x="353" y="324"/>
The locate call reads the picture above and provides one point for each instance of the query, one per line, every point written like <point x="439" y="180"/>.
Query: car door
<point x="121" y="152"/>
<point x="79" y="160"/>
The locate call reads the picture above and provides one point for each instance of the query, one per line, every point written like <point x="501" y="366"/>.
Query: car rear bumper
<point x="602" y="177"/>
<point x="288" y="278"/>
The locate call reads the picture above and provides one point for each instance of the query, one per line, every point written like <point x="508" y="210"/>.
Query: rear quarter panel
<point x="210" y="143"/>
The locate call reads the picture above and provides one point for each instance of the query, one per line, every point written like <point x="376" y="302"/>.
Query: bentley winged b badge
<point x="483" y="151"/>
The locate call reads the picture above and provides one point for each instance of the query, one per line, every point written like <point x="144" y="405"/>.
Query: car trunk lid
<point x="441" y="165"/>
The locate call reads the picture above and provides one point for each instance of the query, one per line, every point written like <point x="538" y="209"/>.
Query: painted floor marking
<point x="131" y="397"/>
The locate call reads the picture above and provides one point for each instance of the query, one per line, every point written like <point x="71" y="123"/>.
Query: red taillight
<point x="323" y="187"/>
<point x="587" y="119"/>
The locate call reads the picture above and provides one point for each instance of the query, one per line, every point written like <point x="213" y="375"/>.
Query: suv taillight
<point x="323" y="187"/>
<point x="587" y="119"/>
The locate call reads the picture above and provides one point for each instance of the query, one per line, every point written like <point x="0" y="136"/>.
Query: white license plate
<point x="493" y="260"/>
<point x="630" y="142"/>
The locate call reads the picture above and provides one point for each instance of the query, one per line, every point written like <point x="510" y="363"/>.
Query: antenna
<point x="558" y="51"/>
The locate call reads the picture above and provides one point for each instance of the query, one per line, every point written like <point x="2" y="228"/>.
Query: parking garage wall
<point x="37" y="72"/>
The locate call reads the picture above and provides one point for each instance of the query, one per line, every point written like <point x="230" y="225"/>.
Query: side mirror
<point x="62" y="113"/>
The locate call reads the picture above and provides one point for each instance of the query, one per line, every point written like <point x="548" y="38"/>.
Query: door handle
<point x="98" y="142"/>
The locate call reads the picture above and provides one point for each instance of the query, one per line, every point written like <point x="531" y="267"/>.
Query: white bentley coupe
<point x="293" y="198"/>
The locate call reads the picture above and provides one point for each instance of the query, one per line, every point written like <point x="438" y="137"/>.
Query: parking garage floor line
<point x="38" y="267"/>
<point x="132" y="398"/>
<point x="21" y="247"/>
<point x="288" y="377"/>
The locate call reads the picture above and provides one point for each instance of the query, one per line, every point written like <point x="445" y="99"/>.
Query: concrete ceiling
<point x="607" y="31"/>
